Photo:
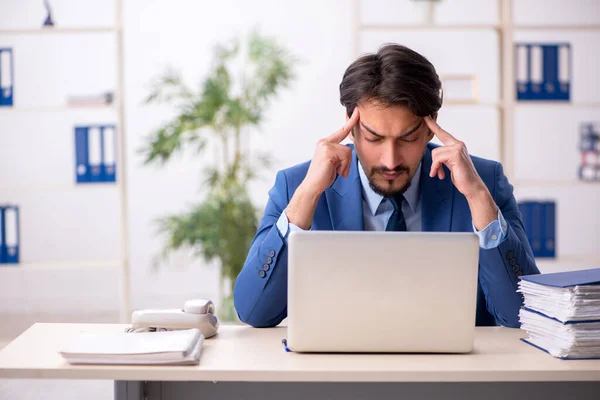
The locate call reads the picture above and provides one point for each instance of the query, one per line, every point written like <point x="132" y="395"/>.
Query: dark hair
<point x="395" y="75"/>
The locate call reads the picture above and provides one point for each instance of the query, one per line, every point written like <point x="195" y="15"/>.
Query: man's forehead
<point x="398" y="129"/>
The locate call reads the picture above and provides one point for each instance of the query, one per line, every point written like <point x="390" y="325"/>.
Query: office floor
<point x="32" y="389"/>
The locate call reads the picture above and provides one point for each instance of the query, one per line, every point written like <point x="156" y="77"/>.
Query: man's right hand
<point x="330" y="159"/>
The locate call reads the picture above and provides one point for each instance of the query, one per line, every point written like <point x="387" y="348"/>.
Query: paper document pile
<point x="562" y="313"/>
<point x="181" y="347"/>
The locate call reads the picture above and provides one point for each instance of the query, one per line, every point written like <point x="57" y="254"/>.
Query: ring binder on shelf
<point x="9" y="221"/>
<point x="6" y="77"/>
<point x="543" y="71"/>
<point x="95" y="154"/>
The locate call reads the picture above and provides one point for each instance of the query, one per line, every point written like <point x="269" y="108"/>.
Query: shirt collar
<point x="374" y="199"/>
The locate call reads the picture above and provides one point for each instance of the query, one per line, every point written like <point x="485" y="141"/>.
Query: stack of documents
<point x="562" y="313"/>
<point x="181" y="347"/>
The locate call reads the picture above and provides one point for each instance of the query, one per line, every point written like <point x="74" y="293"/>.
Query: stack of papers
<point x="562" y="313"/>
<point x="181" y="347"/>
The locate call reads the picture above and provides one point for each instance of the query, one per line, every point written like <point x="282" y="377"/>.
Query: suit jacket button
<point x="272" y="253"/>
<point x="265" y="267"/>
<point x="262" y="273"/>
<point x="509" y="254"/>
<point x="269" y="260"/>
<point x="513" y="261"/>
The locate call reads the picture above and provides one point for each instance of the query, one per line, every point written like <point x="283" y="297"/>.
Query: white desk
<point x="253" y="362"/>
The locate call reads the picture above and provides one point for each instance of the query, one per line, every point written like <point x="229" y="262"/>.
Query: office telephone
<point x="197" y="313"/>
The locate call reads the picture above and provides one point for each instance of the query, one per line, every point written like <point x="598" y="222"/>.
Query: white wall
<point x="72" y="254"/>
<point x="181" y="34"/>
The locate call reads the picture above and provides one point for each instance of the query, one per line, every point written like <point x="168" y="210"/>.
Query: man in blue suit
<point x="391" y="178"/>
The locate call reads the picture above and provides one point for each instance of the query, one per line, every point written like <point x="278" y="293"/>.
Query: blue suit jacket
<point x="260" y="298"/>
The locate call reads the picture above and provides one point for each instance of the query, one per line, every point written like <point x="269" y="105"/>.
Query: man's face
<point x="389" y="143"/>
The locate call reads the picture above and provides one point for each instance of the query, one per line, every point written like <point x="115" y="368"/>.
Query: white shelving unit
<point x="506" y="28"/>
<point x="120" y="187"/>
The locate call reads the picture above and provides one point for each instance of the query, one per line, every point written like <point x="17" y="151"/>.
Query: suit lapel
<point x="344" y="200"/>
<point x="437" y="197"/>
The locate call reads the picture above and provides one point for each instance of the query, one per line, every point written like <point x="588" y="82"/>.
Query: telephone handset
<point x="197" y="313"/>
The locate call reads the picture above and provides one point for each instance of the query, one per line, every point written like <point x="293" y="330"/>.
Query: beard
<point x="388" y="188"/>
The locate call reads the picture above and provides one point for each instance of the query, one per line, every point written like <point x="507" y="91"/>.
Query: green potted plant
<point x="222" y="225"/>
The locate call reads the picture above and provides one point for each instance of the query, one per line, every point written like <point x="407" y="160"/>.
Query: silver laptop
<point x="382" y="291"/>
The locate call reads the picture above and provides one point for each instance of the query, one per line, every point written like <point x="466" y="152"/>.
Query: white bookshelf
<point x="506" y="28"/>
<point x="116" y="109"/>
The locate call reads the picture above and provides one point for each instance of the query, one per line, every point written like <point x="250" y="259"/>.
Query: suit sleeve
<point x="501" y="267"/>
<point x="260" y="292"/>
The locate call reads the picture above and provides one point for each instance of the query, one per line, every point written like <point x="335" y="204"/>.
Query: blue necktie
<point x="396" y="221"/>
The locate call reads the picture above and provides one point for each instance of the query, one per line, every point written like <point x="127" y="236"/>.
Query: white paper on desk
<point x="577" y="340"/>
<point x="171" y="347"/>
<point x="574" y="303"/>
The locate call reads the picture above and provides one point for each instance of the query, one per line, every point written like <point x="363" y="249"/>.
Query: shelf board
<point x="472" y="103"/>
<point x="392" y="27"/>
<point x="557" y="27"/>
<point x="408" y="27"/>
<point x="67" y="264"/>
<point x="541" y="183"/>
<point x="111" y="107"/>
<point x="57" y="30"/>
<point x="49" y="188"/>
<point x="558" y="104"/>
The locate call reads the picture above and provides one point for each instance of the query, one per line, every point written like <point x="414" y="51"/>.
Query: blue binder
<point x="564" y="72"/>
<point x="82" y="166"/>
<point x="10" y="219"/>
<point x="6" y="77"/>
<point x="536" y="72"/>
<point x="2" y="234"/>
<point x="566" y="279"/>
<point x="95" y="154"/>
<point x="109" y="163"/>
<point x="549" y="230"/>
<point x="537" y="229"/>
<point x="525" y="209"/>
<point x="550" y="57"/>
<point x="543" y="71"/>
<point x="523" y="60"/>
<point x="539" y="222"/>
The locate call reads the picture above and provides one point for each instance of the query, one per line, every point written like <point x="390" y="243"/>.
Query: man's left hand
<point x="454" y="155"/>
